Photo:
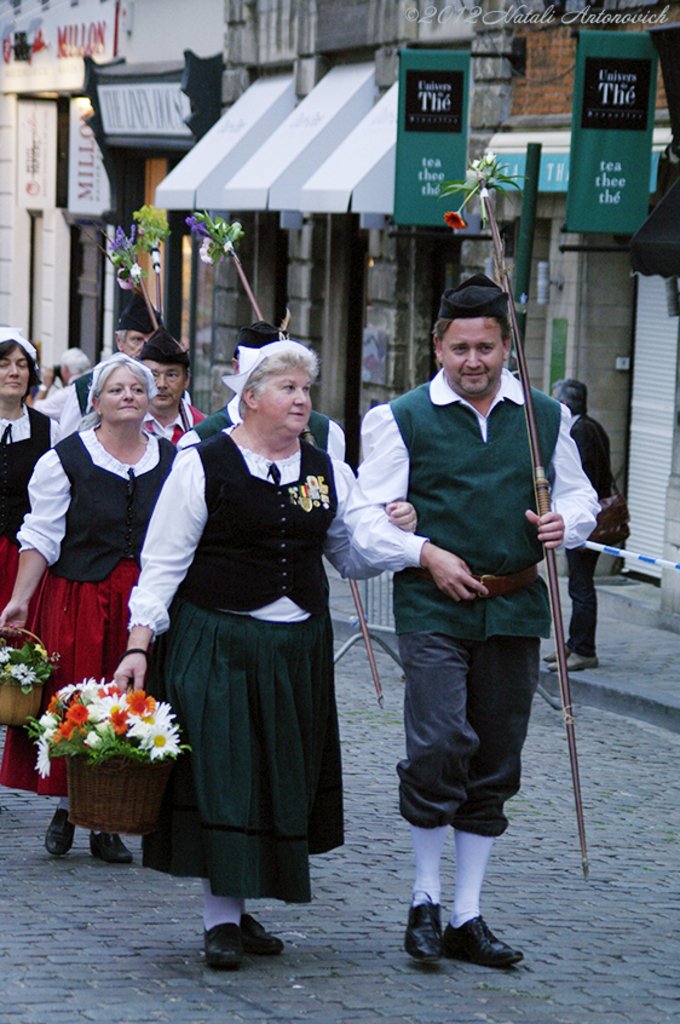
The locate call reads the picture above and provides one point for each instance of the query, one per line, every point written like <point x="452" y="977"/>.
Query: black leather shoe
<point x="475" y="942"/>
<point x="59" y="835"/>
<point x="423" y="940"/>
<point x="109" y="847"/>
<point x="223" y="947"/>
<point x="256" y="940"/>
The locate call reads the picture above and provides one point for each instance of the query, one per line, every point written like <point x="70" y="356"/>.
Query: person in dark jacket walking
<point x="593" y="445"/>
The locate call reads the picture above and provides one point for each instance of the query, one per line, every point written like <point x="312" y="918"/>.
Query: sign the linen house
<point x="612" y="125"/>
<point x="431" y="132"/>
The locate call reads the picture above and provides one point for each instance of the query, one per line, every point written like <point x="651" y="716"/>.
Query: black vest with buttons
<point x="262" y="541"/>
<point x="17" y="461"/>
<point x="108" y="516"/>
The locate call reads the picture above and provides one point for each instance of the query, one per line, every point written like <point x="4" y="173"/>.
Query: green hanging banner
<point x="611" y="133"/>
<point x="431" y="132"/>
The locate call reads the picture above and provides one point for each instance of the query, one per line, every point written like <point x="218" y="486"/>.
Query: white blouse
<point x="177" y="525"/>
<point x="49" y="491"/>
<point x="21" y="428"/>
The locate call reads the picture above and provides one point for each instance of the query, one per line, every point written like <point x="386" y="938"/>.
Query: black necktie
<point x="274" y="473"/>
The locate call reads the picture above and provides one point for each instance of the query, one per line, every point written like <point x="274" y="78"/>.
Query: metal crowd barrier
<point x="376" y="597"/>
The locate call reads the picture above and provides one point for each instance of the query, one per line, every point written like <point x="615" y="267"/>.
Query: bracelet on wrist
<point x="134" y="650"/>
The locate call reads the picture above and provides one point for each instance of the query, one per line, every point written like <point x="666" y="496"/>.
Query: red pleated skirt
<point x="87" y="623"/>
<point x="9" y="565"/>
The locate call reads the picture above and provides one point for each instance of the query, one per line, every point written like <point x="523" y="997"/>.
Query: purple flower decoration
<point x="121" y="242"/>
<point x="197" y="226"/>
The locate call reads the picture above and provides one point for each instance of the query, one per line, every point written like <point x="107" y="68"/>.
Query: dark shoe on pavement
<point x="59" y="835"/>
<point x="423" y="940"/>
<point x="576" y="663"/>
<point x="256" y="940"/>
<point x="109" y="847"/>
<point x="223" y="947"/>
<point x="475" y="942"/>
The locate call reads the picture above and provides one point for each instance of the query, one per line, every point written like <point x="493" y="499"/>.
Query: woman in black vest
<point x="236" y="540"/>
<point x="91" y="500"/>
<point x="25" y="435"/>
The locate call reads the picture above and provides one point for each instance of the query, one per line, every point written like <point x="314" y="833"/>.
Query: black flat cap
<point x="478" y="296"/>
<point x="163" y="348"/>
<point x="135" y="316"/>
<point x="259" y="334"/>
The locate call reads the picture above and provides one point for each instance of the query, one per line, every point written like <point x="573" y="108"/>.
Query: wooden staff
<point x="367" y="639"/>
<point x="543" y="504"/>
<point x="245" y="282"/>
<point x="145" y="295"/>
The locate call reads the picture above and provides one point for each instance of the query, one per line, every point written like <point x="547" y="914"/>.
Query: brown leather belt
<point x="496" y="585"/>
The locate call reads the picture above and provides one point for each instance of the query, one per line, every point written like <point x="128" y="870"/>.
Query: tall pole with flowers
<point x="483" y="177"/>
<point x="149" y="230"/>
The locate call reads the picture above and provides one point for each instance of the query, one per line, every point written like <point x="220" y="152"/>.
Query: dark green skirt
<point x="262" y="786"/>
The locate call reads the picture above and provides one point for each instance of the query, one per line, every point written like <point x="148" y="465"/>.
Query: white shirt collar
<point x="15" y="423"/>
<point x="510" y="387"/>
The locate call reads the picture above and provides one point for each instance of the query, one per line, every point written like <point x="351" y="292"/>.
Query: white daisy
<point x="43" y="763"/>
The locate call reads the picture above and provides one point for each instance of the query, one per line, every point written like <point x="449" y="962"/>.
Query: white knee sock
<point x="472" y="857"/>
<point x="428" y="844"/>
<point x="220" y="909"/>
<point x="63" y="803"/>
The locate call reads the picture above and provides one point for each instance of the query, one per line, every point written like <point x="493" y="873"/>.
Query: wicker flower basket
<point x="118" y="796"/>
<point x="17" y="706"/>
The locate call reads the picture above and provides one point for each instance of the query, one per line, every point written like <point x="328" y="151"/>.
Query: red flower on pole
<point x="454" y="220"/>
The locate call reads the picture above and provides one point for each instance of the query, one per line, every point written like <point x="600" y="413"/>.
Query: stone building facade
<point x="338" y="279"/>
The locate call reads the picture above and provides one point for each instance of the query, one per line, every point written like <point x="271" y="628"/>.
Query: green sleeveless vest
<point x="318" y="424"/>
<point x="82" y="386"/>
<point x="471" y="496"/>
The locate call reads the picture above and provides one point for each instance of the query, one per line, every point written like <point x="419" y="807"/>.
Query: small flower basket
<point x="23" y="673"/>
<point x="117" y="796"/>
<point x="119" y="751"/>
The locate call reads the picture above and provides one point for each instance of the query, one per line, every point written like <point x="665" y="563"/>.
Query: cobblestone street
<point x="84" y="941"/>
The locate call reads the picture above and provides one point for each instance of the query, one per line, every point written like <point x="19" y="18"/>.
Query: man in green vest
<point x="469" y="603"/>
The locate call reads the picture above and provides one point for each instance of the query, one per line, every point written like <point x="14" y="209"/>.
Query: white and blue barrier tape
<point x="630" y="556"/>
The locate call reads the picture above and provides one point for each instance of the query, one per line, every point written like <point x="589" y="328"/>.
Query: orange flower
<point x="78" y="714"/>
<point x="139" y="704"/>
<point x="119" y="721"/>
<point x="454" y="220"/>
<point x="53" y="704"/>
<point x="66" y="729"/>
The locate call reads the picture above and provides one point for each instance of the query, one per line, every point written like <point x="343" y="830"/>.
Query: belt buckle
<point x="486" y="576"/>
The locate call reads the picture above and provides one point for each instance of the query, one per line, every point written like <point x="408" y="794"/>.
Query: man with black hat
<point x="134" y="328"/>
<point x="170" y="414"/>
<point x="469" y="603"/>
<point x="327" y="434"/>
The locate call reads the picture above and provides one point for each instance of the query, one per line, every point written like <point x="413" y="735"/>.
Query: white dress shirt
<point x="177" y="525"/>
<point x="167" y="430"/>
<point x="384" y="477"/>
<point x="49" y="491"/>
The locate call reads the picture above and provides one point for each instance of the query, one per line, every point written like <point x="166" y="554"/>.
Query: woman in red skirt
<point x="91" y="499"/>
<point x="25" y="435"/>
